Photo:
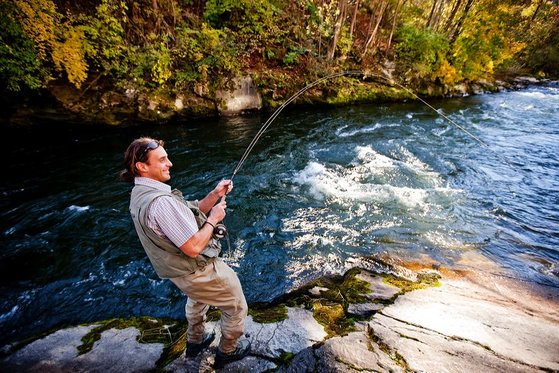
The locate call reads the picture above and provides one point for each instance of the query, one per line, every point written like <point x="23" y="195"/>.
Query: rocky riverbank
<point x="131" y="104"/>
<point x="414" y="317"/>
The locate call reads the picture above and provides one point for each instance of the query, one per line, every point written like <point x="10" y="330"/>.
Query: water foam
<point x="340" y="131"/>
<point x="78" y="208"/>
<point x="367" y="179"/>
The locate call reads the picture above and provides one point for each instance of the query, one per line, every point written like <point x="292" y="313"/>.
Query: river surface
<point x="322" y="188"/>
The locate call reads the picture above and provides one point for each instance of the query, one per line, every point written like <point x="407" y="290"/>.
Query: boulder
<point x="242" y="96"/>
<point x="462" y="326"/>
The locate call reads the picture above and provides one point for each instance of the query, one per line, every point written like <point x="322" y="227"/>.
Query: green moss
<point x="152" y="330"/>
<point x="213" y="315"/>
<point x="285" y="358"/>
<point x="354" y="288"/>
<point x="333" y="317"/>
<point x="269" y="315"/>
<point x="429" y="278"/>
<point x="175" y="349"/>
<point x="424" y="280"/>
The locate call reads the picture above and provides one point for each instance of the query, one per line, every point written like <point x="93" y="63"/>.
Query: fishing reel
<point x="220" y="231"/>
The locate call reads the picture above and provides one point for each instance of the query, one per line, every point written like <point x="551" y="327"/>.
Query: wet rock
<point x="117" y="350"/>
<point x="354" y="353"/>
<point x="241" y="97"/>
<point x="250" y="364"/>
<point x="296" y="333"/>
<point x="205" y="363"/>
<point x="305" y="361"/>
<point x="364" y="309"/>
<point x="463" y="326"/>
<point x="474" y="323"/>
<point x="55" y="350"/>
<point x="379" y="289"/>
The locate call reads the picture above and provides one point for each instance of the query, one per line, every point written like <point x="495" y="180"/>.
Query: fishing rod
<point x="276" y="113"/>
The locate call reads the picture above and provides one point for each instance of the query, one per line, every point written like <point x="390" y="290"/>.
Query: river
<point x="322" y="188"/>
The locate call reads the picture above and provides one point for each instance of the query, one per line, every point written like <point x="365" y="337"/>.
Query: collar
<point x="146" y="181"/>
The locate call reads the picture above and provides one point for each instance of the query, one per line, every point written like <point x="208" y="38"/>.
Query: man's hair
<point x="137" y="151"/>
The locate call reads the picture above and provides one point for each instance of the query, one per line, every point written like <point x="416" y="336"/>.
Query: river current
<point x="321" y="189"/>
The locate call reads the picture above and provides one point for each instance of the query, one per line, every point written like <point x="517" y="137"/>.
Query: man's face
<point x="157" y="165"/>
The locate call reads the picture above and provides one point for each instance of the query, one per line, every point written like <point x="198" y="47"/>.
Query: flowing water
<point x="322" y="189"/>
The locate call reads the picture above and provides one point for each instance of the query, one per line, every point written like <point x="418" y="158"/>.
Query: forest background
<point x="91" y="55"/>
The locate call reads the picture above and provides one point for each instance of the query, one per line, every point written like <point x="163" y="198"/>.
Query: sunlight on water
<point x="322" y="191"/>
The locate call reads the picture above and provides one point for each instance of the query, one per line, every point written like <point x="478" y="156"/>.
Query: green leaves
<point x="19" y="66"/>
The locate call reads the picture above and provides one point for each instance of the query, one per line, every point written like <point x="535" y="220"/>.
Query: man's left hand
<point x="224" y="187"/>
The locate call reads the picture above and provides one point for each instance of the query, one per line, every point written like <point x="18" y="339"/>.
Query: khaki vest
<point x="167" y="259"/>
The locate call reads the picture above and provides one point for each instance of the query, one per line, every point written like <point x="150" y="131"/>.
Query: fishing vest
<point x="167" y="259"/>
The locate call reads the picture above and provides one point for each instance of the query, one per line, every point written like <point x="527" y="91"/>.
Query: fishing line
<point x="389" y="82"/>
<point x="365" y="75"/>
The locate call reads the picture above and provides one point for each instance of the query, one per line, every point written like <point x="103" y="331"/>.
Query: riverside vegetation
<point x="107" y="60"/>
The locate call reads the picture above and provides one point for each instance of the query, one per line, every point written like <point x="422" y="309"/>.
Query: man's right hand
<point x="217" y="213"/>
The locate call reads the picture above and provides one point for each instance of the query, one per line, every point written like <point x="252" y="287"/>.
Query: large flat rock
<point x="462" y="325"/>
<point x="298" y="332"/>
<point x="115" y="351"/>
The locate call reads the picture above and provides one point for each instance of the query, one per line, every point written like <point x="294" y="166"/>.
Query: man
<point x="178" y="237"/>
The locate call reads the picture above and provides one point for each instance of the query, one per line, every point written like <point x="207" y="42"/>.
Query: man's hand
<point x="224" y="187"/>
<point x="217" y="213"/>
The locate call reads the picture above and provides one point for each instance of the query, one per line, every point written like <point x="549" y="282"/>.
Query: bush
<point x="19" y="66"/>
<point x="420" y="51"/>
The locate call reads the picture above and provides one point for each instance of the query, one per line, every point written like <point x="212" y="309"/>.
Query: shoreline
<point x="131" y="107"/>
<point x="500" y="323"/>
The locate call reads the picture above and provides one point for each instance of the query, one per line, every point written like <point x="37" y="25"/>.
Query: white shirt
<point x="167" y="217"/>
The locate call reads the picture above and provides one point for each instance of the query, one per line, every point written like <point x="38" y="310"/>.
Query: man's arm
<point x="224" y="187"/>
<point x="198" y="242"/>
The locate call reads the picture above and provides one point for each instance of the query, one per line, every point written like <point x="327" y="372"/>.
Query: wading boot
<point x="242" y="350"/>
<point x="193" y="349"/>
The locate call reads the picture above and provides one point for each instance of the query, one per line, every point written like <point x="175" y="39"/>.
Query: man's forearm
<point x="208" y="202"/>
<point x="198" y="242"/>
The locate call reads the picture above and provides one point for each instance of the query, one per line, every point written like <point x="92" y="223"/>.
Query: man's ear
<point x="141" y="167"/>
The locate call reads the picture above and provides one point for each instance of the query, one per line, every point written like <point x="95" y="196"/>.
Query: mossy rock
<point x="424" y="280"/>
<point x="152" y="330"/>
<point x="270" y="315"/>
<point x="333" y="317"/>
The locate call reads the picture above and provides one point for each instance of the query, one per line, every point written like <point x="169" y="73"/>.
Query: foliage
<point x="19" y="66"/>
<point x="201" y="52"/>
<point x="245" y="16"/>
<point x="293" y="55"/>
<point x="483" y="45"/>
<point x="419" y="51"/>
<point x="183" y="45"/>
<point x="541" y="36"/>
<point x="69" y="55"/>
<point x="106" y="35"/>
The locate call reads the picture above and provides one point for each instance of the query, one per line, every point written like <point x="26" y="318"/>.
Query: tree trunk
<point x="395" y="18"/>
<point x="458" y="27"/>
<point x="438" y="14"/>
<point x="373" y="34"/>
<point x="353" y="18"/>
<point x="432" y="14"/>
<point x="337" y="30"/>
<point x="452" y="14"/>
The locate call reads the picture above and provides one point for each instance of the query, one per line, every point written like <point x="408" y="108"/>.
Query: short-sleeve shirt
<point x="168" y="217"/>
